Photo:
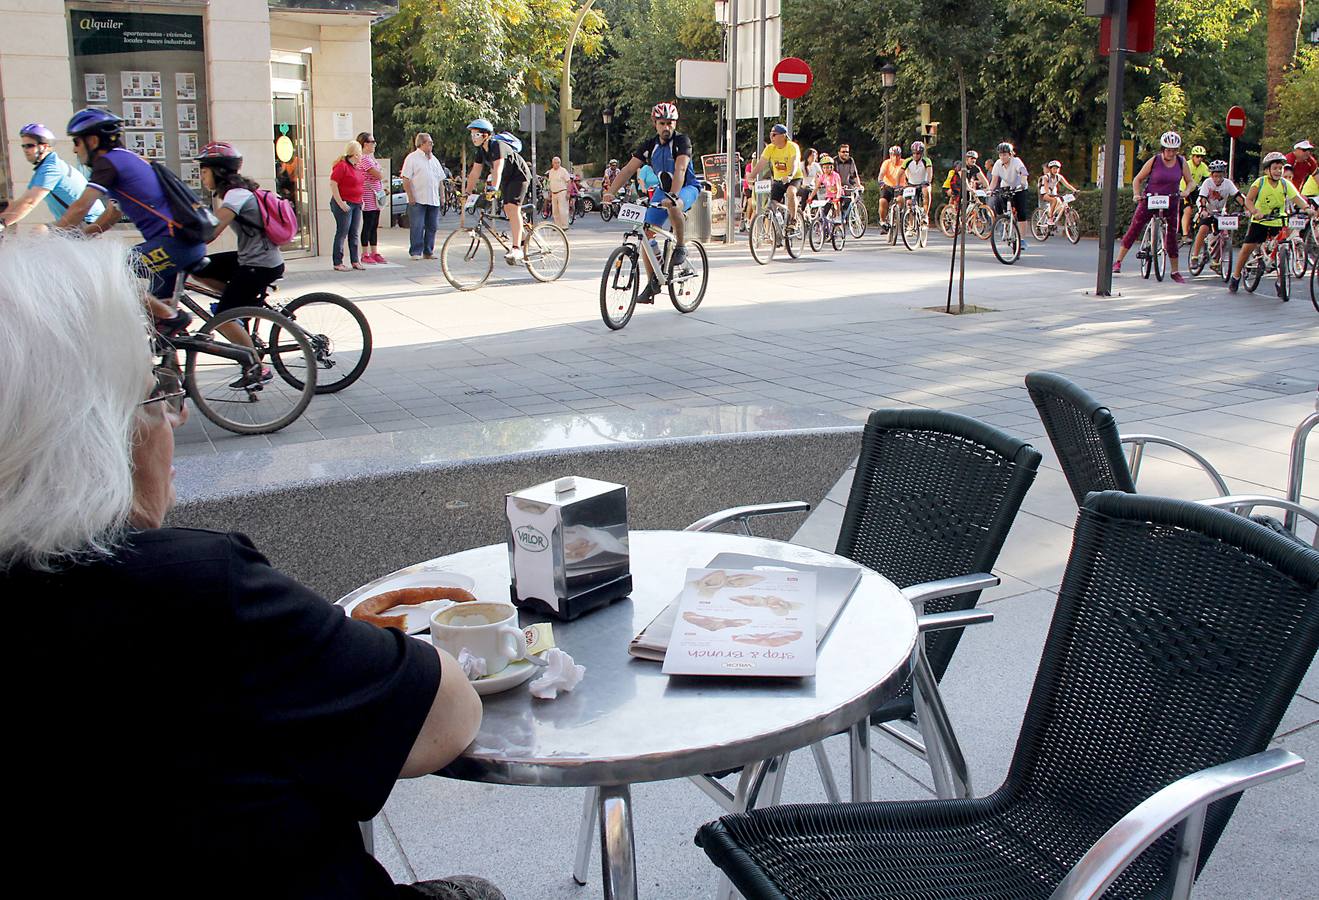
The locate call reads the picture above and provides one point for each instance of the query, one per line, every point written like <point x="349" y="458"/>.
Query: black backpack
<point x="190" y="220"/>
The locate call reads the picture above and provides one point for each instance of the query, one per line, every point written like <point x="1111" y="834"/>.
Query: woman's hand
<point x="343" y="204"/>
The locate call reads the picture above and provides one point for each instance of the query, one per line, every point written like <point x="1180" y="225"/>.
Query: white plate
<point x="514" y="673"/>
<point x="419" y="615"/>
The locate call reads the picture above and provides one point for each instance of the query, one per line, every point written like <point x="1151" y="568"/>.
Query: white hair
<point x="75" y="362"/>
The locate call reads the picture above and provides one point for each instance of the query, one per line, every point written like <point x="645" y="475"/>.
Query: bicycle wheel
<point x="1253" y="271"/>
<point x="1225" y="257"/>
<point x="838" y="235"/>
<point x="910" y="228"/>
<point x="606" y="211"/>
<point x="1196" y="264"/>
<point x="467" y="259"/>
<point x="1039" y="223"/>
<point x="946" y="216"/>
<point x="763" y="238"/>
<point x="1284" y="286"/>
<point x="619" y="285"/>
<point x="1072" y="225"/>
<point x="816" y="233"/>
<point x="1146" y="251"/>
<point x="793" y="238"/>
<point x="545" y="251"/>
<point x="1314" y="300"/>
<point x="857" y="218"/>
<point x="1005" y="239"/>
<point x="687" y="286"/>
<point x="894" y="223"/>
<point x="981" y="223"/>
<point x="923" y="227"/>
<point x="1160" y="250"/>
<point x="340" y="341"/>
<point x="1296" y="253"/>
<point x="242" y="396"/>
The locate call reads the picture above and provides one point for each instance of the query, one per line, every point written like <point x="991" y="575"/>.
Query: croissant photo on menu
<point x="776" y="605"/>
<point x="717" y="579"/>
<point x="713" y="623"/>
<point x="773" y="639"/>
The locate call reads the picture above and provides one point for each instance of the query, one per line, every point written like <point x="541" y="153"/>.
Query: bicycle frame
<point x="642" y="233"/>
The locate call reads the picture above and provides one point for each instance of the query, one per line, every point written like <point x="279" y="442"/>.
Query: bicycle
<point x="623" y="273"/>
<point x="1153" y="252"/>
<point x="1043" y="224"/>
<point x="1301" y="238"/>
<point x="1216" y="251"/>
<point x="1005" y="235"/>
<point x="915" y="221"/>
<point x="467" y="257"/>
<point x="824" y="226"/>
<point x="854" y="211"/>
<point x="979" y="215"/>
<point x="892" y="221"/>
<point x="1274" y="255"/>
<point x="769" y="230"/>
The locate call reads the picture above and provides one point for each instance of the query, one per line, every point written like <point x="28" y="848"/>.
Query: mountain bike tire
<point x="947" y="218"/>
<point x="1072" y="225"/>
<point x="910" y="228"/>
<point x="816" y="233"/>
<point x="838" y="235"/>
<point x="1254" y="271"/>
<point x="1160" y="250"/>
<point x="619" y="285"/>
<point x="793" y="239"/>
<point x="1284" y="274"/>
<point x="1005" y="239"/>
<point x="763" y="238"/>
<point x="686" y="294"/>
<point x="1039" y="223"/>
<point x="340" y="340"/>
<point x="1225" y="258"/>
<point x="857" y="218"/>
<point x="1147" y="251"/>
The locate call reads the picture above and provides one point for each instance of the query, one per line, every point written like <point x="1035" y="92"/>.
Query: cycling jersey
<point x="785" y="164"/>
<point x="661" y="156"/>
<point x="919" y="171"/>
<point x="829" y="185"/>
<point x="1302" y="169"/>
<point x="515" y="167"/>
<point x="1271" y="200"/>
<point x="64" y="183"/>
<point x="891" y="173"/>
<point x="129" y="180"/>
<point x="1311" y="188"/>
<point x="1215" y="196"/>
<point x="1198" y="172"/>
<point x="1013" y="175"/>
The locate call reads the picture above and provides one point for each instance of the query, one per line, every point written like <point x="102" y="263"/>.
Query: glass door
<point x="291" y="105"/>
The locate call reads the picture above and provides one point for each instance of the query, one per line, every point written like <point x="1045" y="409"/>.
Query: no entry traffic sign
<point x="792" y="77"/>
<point x="1236" y="122"/>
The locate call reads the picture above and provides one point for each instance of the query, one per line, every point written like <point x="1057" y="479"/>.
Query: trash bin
<point x="697" y="220"/>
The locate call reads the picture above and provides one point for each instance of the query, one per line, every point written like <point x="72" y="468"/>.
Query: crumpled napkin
<point x="562" y="674"/>
<point x="473" y="666"/>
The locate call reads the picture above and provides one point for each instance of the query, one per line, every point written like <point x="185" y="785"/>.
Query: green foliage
<point x="1298" y="101"/>
<point x="1089" y="206"/>
<point x="1167" y="112"/>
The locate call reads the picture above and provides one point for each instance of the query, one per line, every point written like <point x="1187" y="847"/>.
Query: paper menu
<point x="744" y="622"/>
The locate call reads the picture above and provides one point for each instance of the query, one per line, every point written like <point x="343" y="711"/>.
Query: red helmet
<point x="220" y="154"/>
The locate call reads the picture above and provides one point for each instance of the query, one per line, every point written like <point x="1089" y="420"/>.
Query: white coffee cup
<point x="487" y="630"/>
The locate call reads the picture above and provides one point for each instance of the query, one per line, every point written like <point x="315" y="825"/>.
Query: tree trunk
<point x="1284" y="28"/>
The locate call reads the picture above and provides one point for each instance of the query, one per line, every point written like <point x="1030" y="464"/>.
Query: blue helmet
<point x="38" y="131"/>
<point x="94" y="121"/>
<point x="481" y="125"/>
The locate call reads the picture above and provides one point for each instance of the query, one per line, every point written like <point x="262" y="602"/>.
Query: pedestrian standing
<point x="373" y="198"/>
<point x="422" y="178"/>
<point x="346" y="205"/>
<point x="559" y="180"/>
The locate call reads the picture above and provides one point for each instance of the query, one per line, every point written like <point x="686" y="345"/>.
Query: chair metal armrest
<point x="919" y="594"/>
<point x="1182" y="804"/>
<point x="1242" y="504"/>
<point x="740" y="514"/>
<point x="1138" y="442"/>
<point x="957" y="618"/>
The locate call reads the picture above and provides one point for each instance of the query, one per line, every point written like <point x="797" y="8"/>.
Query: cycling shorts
<point x="513" y="187"/>
<point x="160" y="260"/>
<point x="1258" y="233"/>
<point x="243" y="285"/>
<point x="658" y="215"/>
<point x="1208" y="220"/>
<point x="778" y="191"/>
<point x="887" y="191"/>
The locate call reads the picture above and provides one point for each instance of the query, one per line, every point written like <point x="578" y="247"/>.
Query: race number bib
<point x="908" y="193"/>
<point x="632" y="213"/>
<point x="1298" y="223"/>
<point x="1227" y="223"/>
<point x="816" y="204"/>
<point x="471" y="202"/>
<point x="1069" y="198"/>
<point x="1157" y="201"/>
<point x="762" y="186"/>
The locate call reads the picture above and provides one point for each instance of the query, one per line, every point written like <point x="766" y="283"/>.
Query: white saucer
<point x="418" y="615"/>
<point x="514" y="673"/>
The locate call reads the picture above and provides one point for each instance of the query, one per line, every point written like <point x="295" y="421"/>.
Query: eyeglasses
<point x="369" y="141"/>
<point x="168" y="389"/>
<point x="30" y="146"/>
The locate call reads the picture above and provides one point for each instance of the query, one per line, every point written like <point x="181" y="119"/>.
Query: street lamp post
<point x="888" y="79"/>
<point x="607" y="116"/>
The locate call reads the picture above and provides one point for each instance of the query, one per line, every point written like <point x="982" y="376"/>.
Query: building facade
<point x="288" y="82"/>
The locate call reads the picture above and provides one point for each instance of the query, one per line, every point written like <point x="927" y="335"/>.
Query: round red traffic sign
<point x="1236" y="122"/>
<point x="792" y="77"/>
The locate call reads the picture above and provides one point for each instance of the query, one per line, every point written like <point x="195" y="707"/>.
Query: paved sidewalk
<point x="835" y="332"/>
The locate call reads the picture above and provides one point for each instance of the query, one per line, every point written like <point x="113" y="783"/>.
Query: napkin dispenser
<point x="567" y="546"/>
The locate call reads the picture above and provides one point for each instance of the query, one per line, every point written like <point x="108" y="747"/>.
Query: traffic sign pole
<point x="1117" y="64"/>
<point x="1236" y="127"/>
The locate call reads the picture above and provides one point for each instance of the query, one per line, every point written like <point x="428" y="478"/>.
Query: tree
<point x="1298" y="101"/>
<point x="1167" y="112"/>
<point x="1284" y="29"/>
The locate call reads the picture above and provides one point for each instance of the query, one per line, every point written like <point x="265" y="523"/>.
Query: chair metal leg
<point x="1189" y="833"/>
<point x="585" y="835"/>
<point x="750" y="784"/>
<point x="952" y="781"/>
<point x="859" y="738"/>
<point x="368" y="835"/>
<point x="826" y="773"/>
<point x="618" y="859"/>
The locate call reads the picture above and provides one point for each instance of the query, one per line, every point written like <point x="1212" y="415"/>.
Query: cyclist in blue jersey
<point x="128" y="180"/>
<point x="669" y="155"/>
<point x="53" y="179"/>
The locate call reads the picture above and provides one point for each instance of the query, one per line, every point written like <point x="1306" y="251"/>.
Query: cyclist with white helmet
<point x="920" y="174"/>
<point x="1009" y="173"/>
<point x="1051" y="184"/>
<point x="1267" y="202"/>
<point x="1201" y="171"/>
<point x="1163" y="175"/>
<point x="510" y="175"/>
<point x="669" y="155"/>
<point x="53" y="179"/>
<point x="1212" y="197"/>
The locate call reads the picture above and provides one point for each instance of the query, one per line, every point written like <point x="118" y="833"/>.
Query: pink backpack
<point x="278" y="217"/>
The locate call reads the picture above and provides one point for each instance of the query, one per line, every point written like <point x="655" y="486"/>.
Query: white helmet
<point x="665" y="110"/>
<point x="917" y="146"/>
<point x="1170" y="140"/>
<point x="1052" y="163"/>
<point x="1271" y="158"/>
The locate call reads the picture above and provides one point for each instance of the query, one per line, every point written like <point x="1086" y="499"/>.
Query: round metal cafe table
<point x="627" y="722"/>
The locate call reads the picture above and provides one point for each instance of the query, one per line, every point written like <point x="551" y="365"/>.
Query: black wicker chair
<point x="1180" y="635"/>
<point x="1085" y="436"/>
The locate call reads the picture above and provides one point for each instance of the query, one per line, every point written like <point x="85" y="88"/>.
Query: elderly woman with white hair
<point x="188" y="721"/>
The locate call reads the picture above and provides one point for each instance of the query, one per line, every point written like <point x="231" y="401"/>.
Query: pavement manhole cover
<point x="1280" y="384"/>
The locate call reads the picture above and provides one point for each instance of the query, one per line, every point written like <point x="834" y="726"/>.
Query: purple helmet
<point x="38" y="131"/>
<point x="94" y="121"/>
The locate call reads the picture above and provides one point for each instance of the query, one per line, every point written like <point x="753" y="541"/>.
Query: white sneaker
<point x="514" y="256"/>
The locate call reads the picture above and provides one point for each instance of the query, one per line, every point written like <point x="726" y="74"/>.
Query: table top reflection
<point x="627" y="722"/>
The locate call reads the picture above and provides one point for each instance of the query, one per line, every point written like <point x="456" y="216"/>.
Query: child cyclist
<point x="1267" y="202"/>
<point x="1212" y="197"/>
<point x="1050" y="184"/>
<point x="829" y="185"/>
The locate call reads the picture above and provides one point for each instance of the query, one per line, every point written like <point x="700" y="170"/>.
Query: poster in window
<point x="147" y="144"/>
<point x="96" y="88"/>
<point x="185" y="86"/>
<point x="139" y="84"/>
<point x="188" y="146"/>
<point x="187" y="115"/>
<point x="143" y="114"/>
<point x="191" y="173"/>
